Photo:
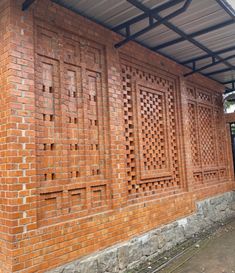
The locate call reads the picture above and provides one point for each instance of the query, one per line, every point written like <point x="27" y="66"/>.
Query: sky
<point x="232" y="3"/>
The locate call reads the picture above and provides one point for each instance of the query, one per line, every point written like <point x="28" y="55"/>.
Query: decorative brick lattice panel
<point x="153" y="132"/>
<point x="221" y="145"/>
<point x="206" y="133"/>
<point x="70" y="127"/>
<point x="220" y="136"/>
<point x="129" y="129"/>
<point x="204" y="96"/>
<point x="195" y="153"/>
<point x="191" y="92"/>
<point x="223" y="174"/>
<point x="198" y="178"/>
<point x="152" y="159"/>
<point x="207" y="143"/>
<point x="211" y="176"/>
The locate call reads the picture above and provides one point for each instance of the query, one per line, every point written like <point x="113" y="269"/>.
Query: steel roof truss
<point x="218" y="71"/>
<point x="152" y="24"/>
<point x="143" y="16"/>
<point x="222" y="51"/>
<point x="182" y="34"/>
<point x="195" y="34"/>
<point x="210" y="65"/>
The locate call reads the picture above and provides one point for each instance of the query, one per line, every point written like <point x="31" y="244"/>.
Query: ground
<point x="212" y="253"/>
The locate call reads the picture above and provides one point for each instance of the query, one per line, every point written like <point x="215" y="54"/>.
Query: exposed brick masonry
<point x="97" y="144"/>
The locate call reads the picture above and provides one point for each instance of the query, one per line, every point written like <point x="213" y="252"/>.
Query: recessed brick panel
<point x="150" y="130"/>
<point x="71" y="125"/>
<point x="206" y="130"/>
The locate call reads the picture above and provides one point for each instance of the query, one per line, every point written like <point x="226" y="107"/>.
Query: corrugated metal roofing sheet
<point x="200" y="15"/>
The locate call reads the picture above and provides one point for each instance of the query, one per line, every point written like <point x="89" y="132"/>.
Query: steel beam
<point x="203" y="31"/>
<point x="143" y="16"/>
<point x="228" y="82"/>
<point x="194" y="34"/>
<point x="153" y="25"/>
<point x="210" y="65"/>
<point x="182" y="34"/>
<point x="227" y="91"/>
<point x="202" y="57"/>
<point x="27" y="4"/>
<point x="226" y="7"/>
<point x="218" y="71"/>
<point x="231" y="13"/>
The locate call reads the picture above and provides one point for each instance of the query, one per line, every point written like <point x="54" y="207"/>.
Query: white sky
<point x="232" y="3"/>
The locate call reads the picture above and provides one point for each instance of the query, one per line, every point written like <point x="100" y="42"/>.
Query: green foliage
<point x="227" y="105"/>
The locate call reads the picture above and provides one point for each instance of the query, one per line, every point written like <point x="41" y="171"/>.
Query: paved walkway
<point x="213" y="255"/>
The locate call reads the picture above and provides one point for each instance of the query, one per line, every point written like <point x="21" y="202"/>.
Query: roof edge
<point x="227" y="7"/>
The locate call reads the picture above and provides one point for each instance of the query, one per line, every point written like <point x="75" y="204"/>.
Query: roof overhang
<point x="199" y="34"/>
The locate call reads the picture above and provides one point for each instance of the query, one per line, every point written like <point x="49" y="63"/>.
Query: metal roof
<point x="199" y="34"/>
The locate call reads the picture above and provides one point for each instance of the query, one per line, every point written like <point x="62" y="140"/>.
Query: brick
<point x="97" y="145"/>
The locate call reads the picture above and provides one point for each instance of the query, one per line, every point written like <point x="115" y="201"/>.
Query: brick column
<point x="6" y="187"/>
<point x="18" y="198"/>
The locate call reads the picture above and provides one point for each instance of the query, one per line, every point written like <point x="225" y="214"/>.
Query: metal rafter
<point x="218" y="71"/>
<point x="27" y="4"/>
<point x="202" y="57"/>
<point x="231" y="13"/>
<point x="210" y="65"/>
<point x="182" y="34"/>
<point x="152" y="24"/>
<point x="204" y="31"/>
<point x="143" y="16"/>
<point x="153" y="15"/>
<point x="195" y="34"/>
<point x="226" y="7"/>
<point x="228" y="82"/>
<point x="227" y="91"/>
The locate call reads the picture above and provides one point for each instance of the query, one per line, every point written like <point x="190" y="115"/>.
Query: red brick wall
<point x="103" y="144"/>
<point x="7" y="213"/>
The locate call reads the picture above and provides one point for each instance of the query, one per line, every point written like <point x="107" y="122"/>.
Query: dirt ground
<point x="214" y="253"/>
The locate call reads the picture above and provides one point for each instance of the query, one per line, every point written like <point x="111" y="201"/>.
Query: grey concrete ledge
<point x="125" y="256"/>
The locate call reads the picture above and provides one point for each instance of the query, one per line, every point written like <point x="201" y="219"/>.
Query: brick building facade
<point x="97" y="144"/>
